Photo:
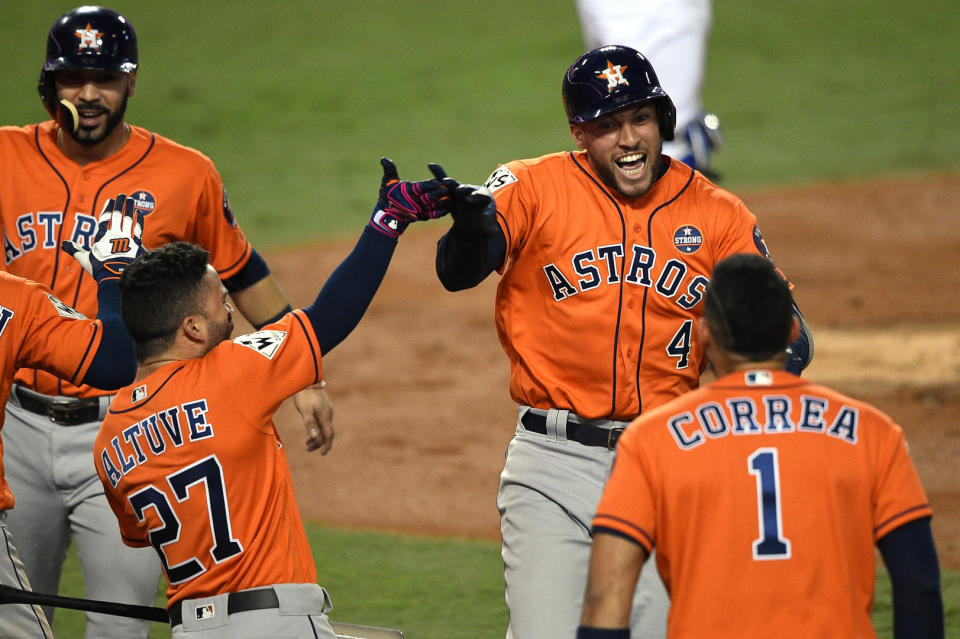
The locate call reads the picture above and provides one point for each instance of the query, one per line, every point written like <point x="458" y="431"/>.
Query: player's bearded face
<point x="623" y="148"/>
<point x="101" y="101"/>
<point x="218" y="311"/>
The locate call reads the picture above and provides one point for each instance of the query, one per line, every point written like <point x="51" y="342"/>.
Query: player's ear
<point x="579" y="137"/>
<point x="194" y="328"/>
<point x="131" y="83"/>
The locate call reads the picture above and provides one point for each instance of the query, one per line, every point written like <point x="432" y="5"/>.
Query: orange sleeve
<point x="283" y="357"/>
<point x="53" y="336"/>
<point x="216" y="229"/>
<point x="628" y="504"/>
<point x="898" y="495"/>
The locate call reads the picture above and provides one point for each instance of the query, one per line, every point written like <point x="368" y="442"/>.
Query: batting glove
<point x="402" y="202"/>
<point x="116" y="243"/>
<point x="473" y="208"/>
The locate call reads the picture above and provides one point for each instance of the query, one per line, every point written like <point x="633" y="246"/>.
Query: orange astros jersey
<point x="599" y="296"/>
<point x="764" y="495"/>
<point x="45" y="198"/>
<point x="38" y="330"/>
<point x="192" y="464"/>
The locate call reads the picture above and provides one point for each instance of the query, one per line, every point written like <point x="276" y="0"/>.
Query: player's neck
<point x="84" y="154"/>
<point x="147" y="368"/>
<point x="724" y="366"/>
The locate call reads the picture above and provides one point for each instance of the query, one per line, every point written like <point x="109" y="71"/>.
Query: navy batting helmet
<point x="87" y="38"/>
<point x="610" y="77"/>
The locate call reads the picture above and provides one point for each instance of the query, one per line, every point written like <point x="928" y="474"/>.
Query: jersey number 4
<point x="679" y="346"/>
<point x="208" y="472"/>
<point x="764" y="464"/>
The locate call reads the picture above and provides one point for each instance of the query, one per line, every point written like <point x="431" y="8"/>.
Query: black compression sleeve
<point x="252" y="272"/>
<point x="349" y="290"/>
<point x="911" y="559"/>
<point x="464" y="261"/>
<point x="114" y="364"/>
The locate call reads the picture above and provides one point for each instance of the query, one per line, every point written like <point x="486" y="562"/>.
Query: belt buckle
<point x="612" y="436"/>
<point x="64" y="411"/>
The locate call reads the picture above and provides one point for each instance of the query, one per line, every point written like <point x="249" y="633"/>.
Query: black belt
<point x="583" y="433"/>
<point x="67" y="412"/>
<point x="243" y="601"/>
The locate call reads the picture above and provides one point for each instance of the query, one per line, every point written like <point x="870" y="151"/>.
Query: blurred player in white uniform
<point x="673" y="35"/>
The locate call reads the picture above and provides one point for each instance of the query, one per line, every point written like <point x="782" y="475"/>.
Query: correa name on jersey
<point x="173" y="426"/>
<point x="40" y="230"/>
<point x="740" y="417"/>
<point x="596" y="267"/>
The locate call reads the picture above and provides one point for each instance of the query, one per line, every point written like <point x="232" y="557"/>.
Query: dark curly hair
<point x="158" y="291"/>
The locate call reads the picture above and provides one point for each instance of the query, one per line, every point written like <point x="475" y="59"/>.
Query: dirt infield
<point x="419" y="389"/>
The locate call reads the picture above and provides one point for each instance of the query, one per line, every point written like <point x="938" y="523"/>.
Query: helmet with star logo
<point x="87" y="37"/>
<point x="611" y="77"/>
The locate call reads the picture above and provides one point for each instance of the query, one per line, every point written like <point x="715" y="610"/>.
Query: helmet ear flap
<point x="48" y="92"/>
<point x="667" y="118"/>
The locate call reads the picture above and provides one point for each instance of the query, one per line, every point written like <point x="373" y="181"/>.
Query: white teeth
<point x="636" y="157"/>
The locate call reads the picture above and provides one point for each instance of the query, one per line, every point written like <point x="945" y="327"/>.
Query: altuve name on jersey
<point x="739" y="416"/>
<point x="153" y="435"/>
<point x="595" y="267"/>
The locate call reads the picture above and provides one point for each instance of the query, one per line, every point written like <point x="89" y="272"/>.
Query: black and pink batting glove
<point x="401" y="202"/>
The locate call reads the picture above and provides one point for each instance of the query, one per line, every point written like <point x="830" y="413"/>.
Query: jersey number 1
<point x="208" y="472"/>
<point x="764" y="464"/>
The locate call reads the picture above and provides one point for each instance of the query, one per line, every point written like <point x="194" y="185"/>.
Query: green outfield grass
<point x="432" y="588"/>
<point x="296" y="101"/>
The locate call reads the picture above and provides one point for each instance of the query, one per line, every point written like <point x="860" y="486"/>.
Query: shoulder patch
<point x="267" y="343"/>
<point x="500" y="178"/>
<point x="227" y="211"/>
<point x="64" y="310"/>
<point x="760" y="244"/>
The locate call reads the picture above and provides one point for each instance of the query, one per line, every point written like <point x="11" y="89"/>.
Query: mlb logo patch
<point x="688" y="239"/>
<point x="758" y="378"/>
<point x="139" y="394"/>
<point x="205" y="612"/>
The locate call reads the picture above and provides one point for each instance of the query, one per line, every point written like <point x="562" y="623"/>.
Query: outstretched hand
<point x="116" y="243"/>
<point x="401" y="202"/>
<point x="473" y="208"/>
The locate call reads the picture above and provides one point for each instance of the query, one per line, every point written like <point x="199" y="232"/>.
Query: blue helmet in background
<point x="87" y="37"/>
<point x="611" y="77"/>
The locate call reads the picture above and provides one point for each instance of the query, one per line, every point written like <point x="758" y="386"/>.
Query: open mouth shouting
<point x="632" y="165"/>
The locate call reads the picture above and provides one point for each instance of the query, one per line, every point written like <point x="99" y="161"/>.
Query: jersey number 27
<point x="208" y="472"/>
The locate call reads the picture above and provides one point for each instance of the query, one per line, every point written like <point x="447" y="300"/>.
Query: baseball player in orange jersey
<point x="763" y="493"/>
<point x="56" y="176"/>
<point x="604" y="255"/>
<point x="39" y="330"/>
<point x="189" y="456"/>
